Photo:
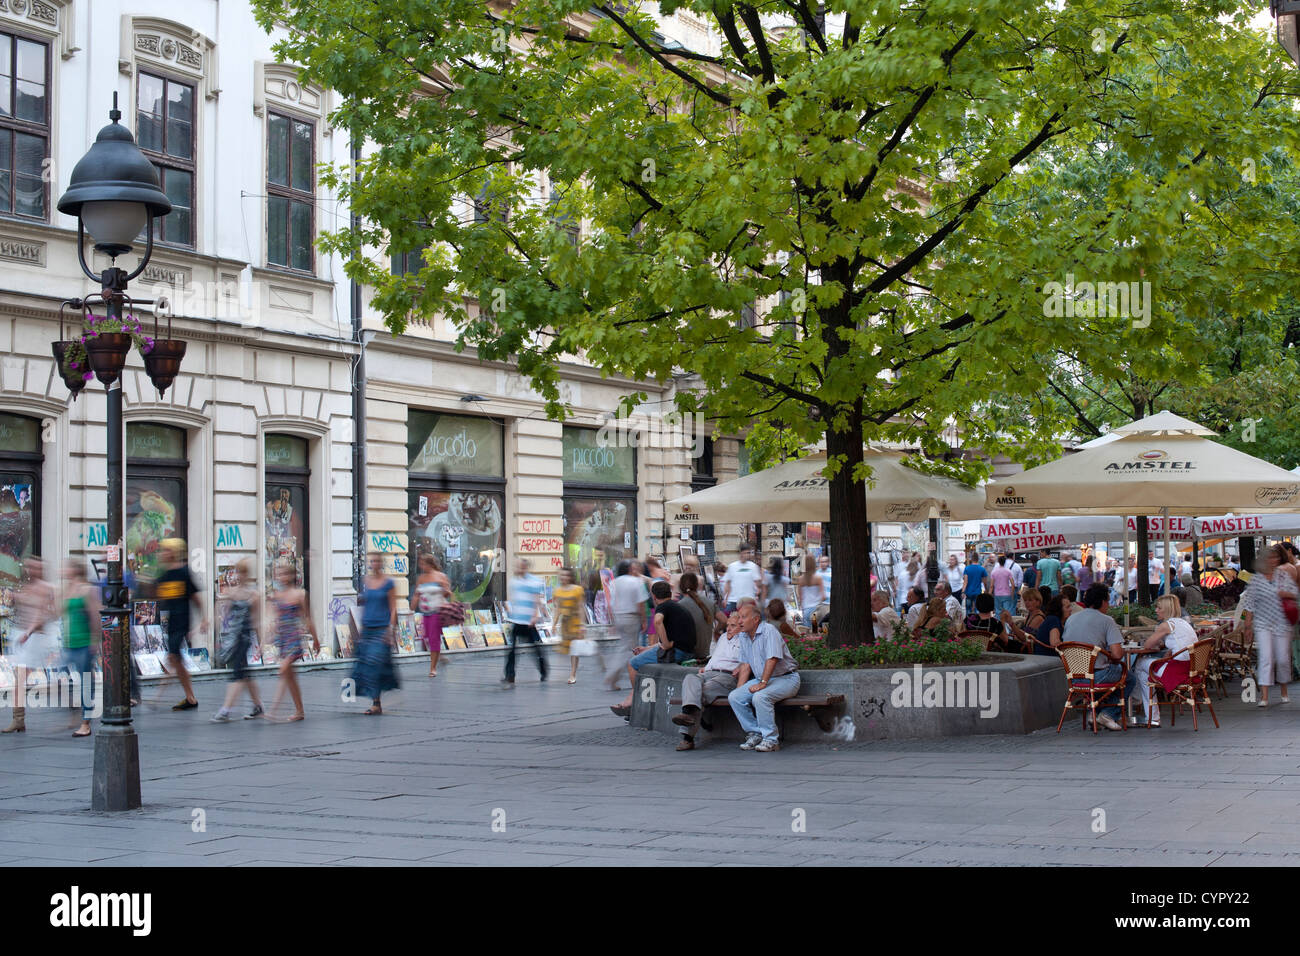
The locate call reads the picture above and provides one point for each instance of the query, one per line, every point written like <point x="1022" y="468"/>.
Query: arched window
<point x="287" y="505"/>
<point x="156" y="493"/>
<point x="20" y="494"/>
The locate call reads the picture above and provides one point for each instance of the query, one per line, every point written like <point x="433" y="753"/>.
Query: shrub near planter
<point x="811" y="652"/>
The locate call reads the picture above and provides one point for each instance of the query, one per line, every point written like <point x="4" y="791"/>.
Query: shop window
<point x="20" y="498"/>
<point x="287" y="528"/>
<point x="456" y="496"/>
<point x="165" y="132"/>
<point x="24" y="126"/>
<point x="291" y="192"/>
<point x="156" y="493"/>
<point x="600" y="489"/>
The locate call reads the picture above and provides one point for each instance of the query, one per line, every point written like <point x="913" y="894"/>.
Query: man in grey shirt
<point x="768" y="676"/>
<point x="1092" y="625"/>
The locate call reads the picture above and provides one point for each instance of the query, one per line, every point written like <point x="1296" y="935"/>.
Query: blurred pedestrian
<point x="526" y="593"/>
<point x="432" y="589"/>
<point x="812" y="592"/>
<point x="35" y="641"/>
<point x="776" y="584"/>
<point x="629" y="597"/>
<point x="569" y="600"/>
<point x="292" y="622"/>
<point x="177" y="594"/>
<point x="1264" y="614"/>
<point x="237" y="610"/>
<point x="374" y="672"/>
<point x="80" y="609"/>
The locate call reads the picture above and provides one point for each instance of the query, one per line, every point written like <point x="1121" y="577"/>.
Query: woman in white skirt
<point x="1264" y="615"/>
<point x="35" y="642"/>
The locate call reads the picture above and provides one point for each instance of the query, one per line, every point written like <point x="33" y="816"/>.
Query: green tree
<point x="881" y="172"/>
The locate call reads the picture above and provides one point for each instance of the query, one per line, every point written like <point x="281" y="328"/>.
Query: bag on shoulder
<point x="1290" y="608"/>
<point x="451" y="613"/>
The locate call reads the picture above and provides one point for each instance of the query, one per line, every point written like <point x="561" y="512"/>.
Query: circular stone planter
<point x="998" y="694"/>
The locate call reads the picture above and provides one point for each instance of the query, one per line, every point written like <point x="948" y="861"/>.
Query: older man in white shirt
<point x="715" y="679"/>
<point x="952" y="606"/>
<point x="883" y="617"/>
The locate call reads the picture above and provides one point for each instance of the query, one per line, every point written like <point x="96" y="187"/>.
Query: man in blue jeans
<point x="675" y="629"/>
<point x="768" y="676"/>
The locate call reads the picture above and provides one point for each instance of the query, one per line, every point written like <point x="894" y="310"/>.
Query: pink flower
<point x="88" y="376"/>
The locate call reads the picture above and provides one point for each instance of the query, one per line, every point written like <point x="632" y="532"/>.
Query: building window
<point x="456" y="493"/>
<point x="20" y="497"/>
<point x="164" y="123"/>
<point x="291" y="192"/>
<point x="156" y="493"/>
<point x="562" y="220"/>
<point x="24" y="126"/>
<point x="287" y="531"/>
<point x="599" y="502"/>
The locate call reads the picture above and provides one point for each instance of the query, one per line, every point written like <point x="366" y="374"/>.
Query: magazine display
<point x="147" y="663"/>
<point x="453" y="639"/>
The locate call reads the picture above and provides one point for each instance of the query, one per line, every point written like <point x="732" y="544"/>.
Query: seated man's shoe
<point x="689" y="717"/>
<point x="686" y="744"/>
<point x="767" y="746"/>
<point x="752" y="741"/>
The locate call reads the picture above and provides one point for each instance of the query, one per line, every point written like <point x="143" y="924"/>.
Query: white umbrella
<point x="1162" y="423"/>
<point x="797" y="491"/>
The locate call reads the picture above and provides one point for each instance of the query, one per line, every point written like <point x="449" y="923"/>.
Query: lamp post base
<point x="116" y="781"/>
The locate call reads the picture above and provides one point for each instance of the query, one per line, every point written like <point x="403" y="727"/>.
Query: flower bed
<point x="811" y="652"/>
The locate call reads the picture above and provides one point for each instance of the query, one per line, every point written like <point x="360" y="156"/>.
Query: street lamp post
<point x="115" y="194"/>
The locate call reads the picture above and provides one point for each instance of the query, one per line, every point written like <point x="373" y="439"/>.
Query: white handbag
<point x="582" y="648"/>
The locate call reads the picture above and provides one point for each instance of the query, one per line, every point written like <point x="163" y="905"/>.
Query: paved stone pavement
<point x="570" y="784"/>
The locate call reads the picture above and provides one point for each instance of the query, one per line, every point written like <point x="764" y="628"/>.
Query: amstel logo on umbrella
<point x="1153" y="459"/>
<point x="1009" y="498"/>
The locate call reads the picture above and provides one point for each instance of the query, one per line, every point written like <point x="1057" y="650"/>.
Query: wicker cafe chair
<point x="1082" y="690"/>
<point x="988" y="637"/>
<point x="1201" y="653"/>
<point x="1214" y="675"/>
<point x="1236" y="648"/>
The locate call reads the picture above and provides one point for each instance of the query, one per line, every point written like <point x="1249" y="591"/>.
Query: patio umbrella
<point x="797" y="491"/>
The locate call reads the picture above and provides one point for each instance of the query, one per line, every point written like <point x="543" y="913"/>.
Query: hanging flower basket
<point x="106" y="352"/>
<point x="163" y="362"/>
<point x="73" y="372"/>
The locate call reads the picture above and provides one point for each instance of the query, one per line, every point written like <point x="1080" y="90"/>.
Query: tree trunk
<point x="851" y="561"/>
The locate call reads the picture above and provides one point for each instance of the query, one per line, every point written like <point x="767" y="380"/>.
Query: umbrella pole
<point x="1169" y="572"/>
<point x="1123" y="569"/>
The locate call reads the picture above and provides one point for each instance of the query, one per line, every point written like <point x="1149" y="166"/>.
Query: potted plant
<point x="70" y="359"/>
<point x="101" y="349"/>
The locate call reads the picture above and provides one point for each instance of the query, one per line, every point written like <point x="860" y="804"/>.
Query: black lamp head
<point x="114" y="170"/>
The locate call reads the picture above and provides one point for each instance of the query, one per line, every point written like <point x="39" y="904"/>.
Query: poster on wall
<point x="465" y="532"/>
<point x="153" y="508"/>
<point x="284" y="529"/>
<point x="597" y="533"/>
<point x="15" y="529"/>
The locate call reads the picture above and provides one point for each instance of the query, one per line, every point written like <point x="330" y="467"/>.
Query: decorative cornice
<point x="51" y="18"/>
<point x="151" y="41"/>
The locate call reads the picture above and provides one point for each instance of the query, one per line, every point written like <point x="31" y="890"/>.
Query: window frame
<point x="163" y="160"/>
<point x="288" y="193"/>
<point x="11" y="124"/>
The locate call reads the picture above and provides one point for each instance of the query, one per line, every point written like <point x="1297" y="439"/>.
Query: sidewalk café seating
<point x="1236" y="650"/>
<point x="1082" y="690"/>
<point x="1215" y="673"/>
<point x="1201" y="653"/>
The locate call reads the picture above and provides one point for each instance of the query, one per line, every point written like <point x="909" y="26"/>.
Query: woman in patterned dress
<point x="292" y="618"/>
<point x="1263" y="614"/>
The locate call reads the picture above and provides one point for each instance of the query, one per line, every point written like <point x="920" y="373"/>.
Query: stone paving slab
<point x="420" y="784"/>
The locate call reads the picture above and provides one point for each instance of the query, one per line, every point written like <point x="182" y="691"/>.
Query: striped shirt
<point x="1263" y="598"/>
<point x="525" y="594"/>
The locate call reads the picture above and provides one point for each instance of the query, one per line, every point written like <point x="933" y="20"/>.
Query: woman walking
<point x="240" y="609"/>
<point x="1265" y="616"/>
<point x="432" y="588"/>
<point x="292" y="619"/>
<point x="80" y="607"/>
<point x="374" y="672"/>
<point x="35" y="605"/>
<point x="812" y="591"/>
<point x="569" y="600"/>
<point x="778" y="585"/>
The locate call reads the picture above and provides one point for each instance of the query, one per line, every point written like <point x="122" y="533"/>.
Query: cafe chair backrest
<point x="1201" y="652"/>
<point x="1079" y="659"/>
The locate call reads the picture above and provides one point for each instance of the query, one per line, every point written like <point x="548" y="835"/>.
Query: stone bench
<point x="822" y="707"/>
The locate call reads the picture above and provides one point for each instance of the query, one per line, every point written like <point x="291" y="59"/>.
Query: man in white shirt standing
<point x="630" y="595"/>
<point x="743" y="580"/>
<point x="824" y="572"/>
<point x="1154" y="574"/>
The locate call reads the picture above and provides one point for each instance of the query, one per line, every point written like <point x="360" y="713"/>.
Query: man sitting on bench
<point x="715" y="679"/>
<point x="777" y="678"/>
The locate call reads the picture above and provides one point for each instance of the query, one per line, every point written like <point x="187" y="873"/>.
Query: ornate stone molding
<point x="279" y="85"/>
<point x="150" y="41"/>
<point x="49" y="18"/>
<point x="27" y="251"/>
